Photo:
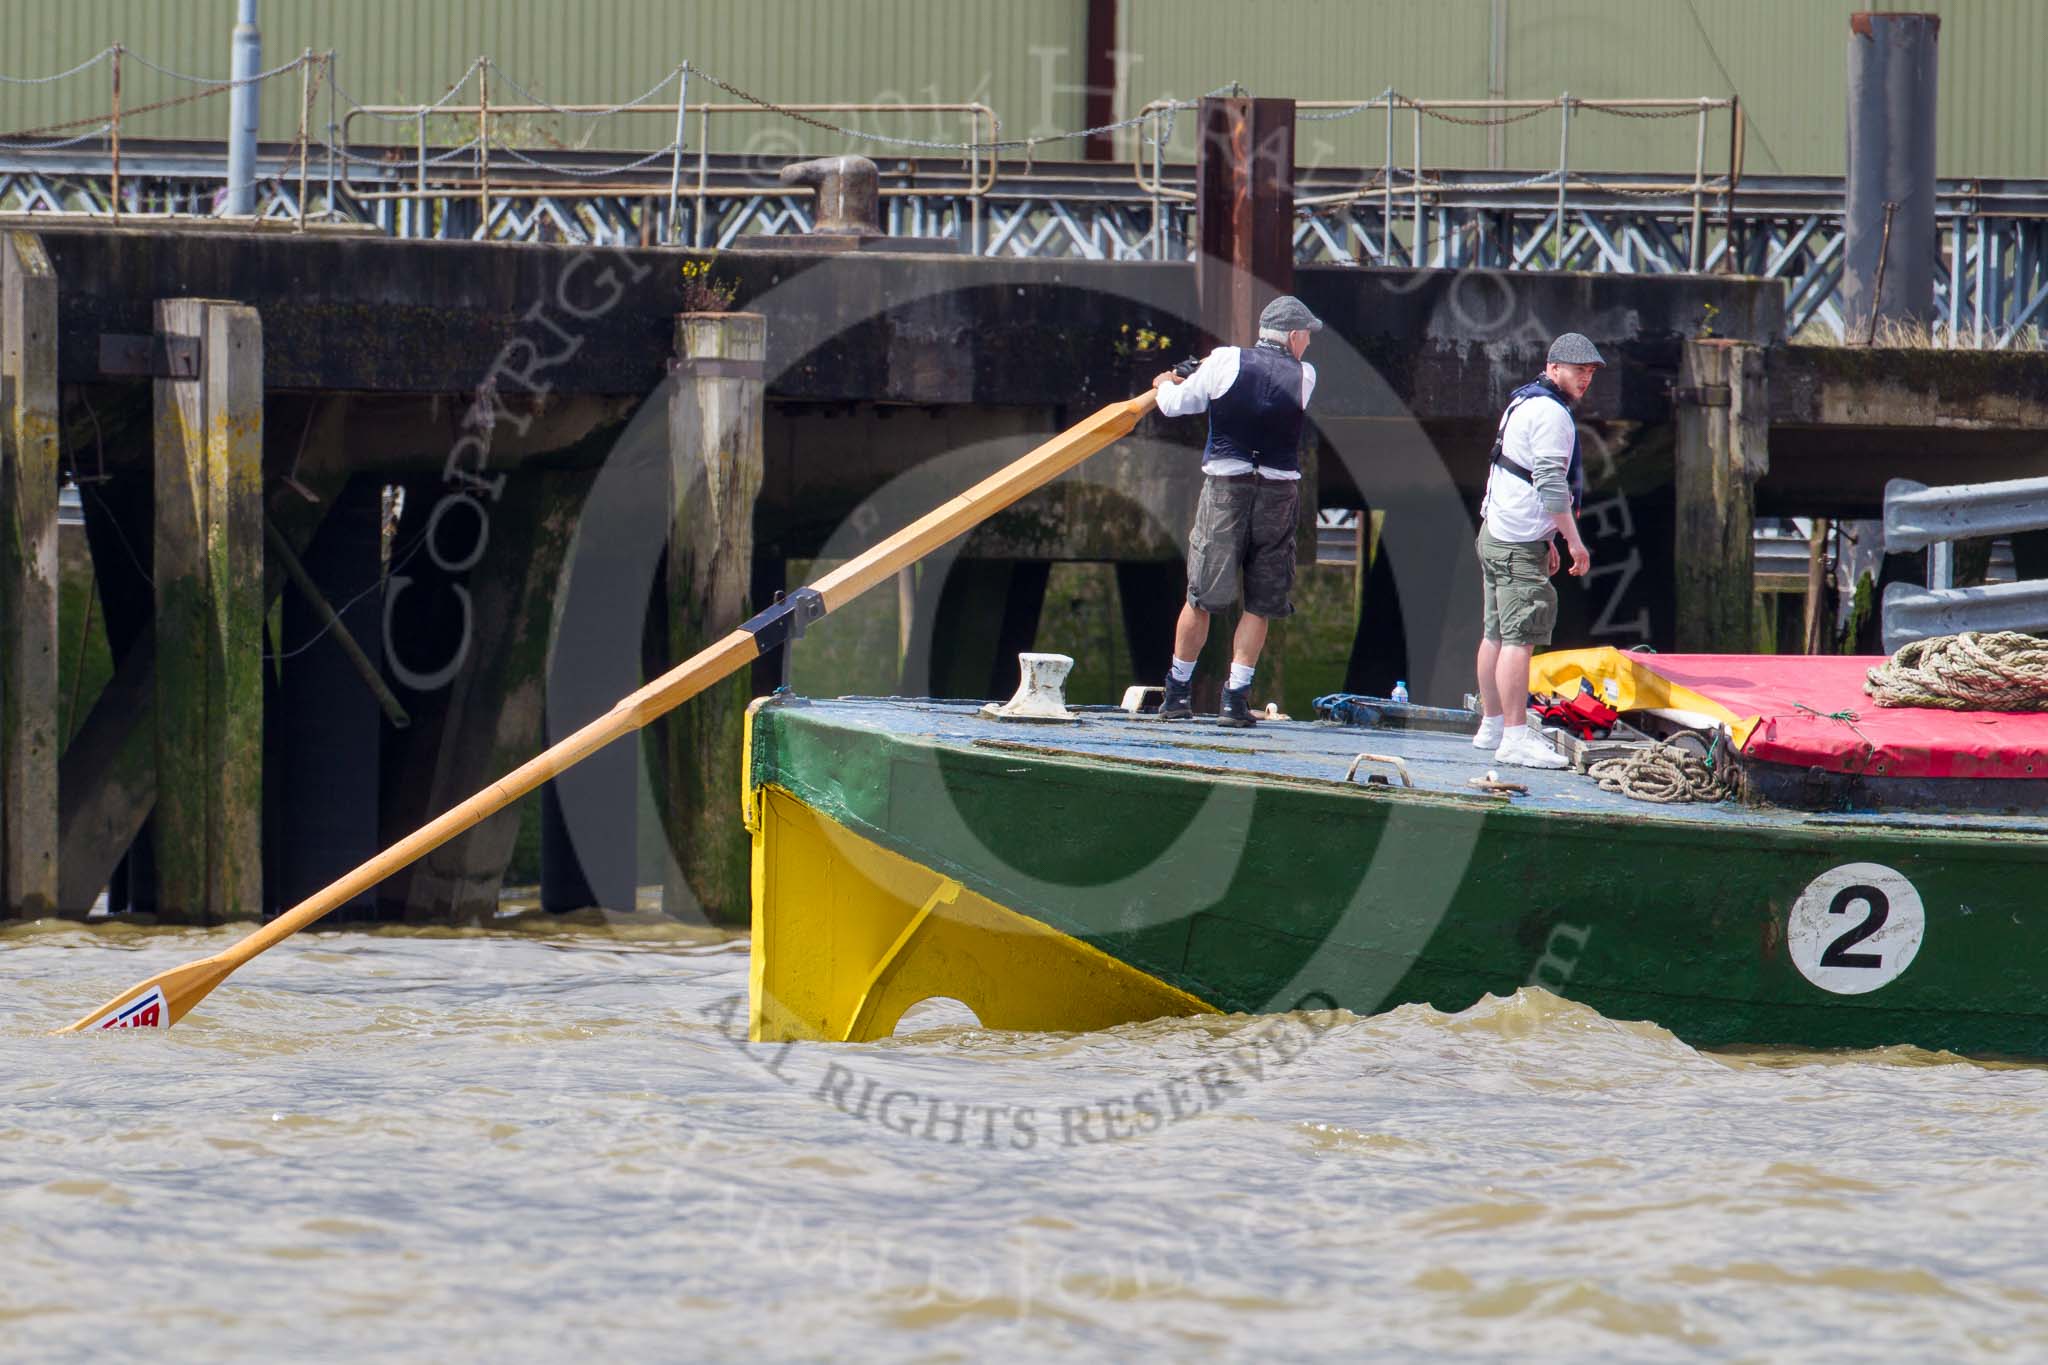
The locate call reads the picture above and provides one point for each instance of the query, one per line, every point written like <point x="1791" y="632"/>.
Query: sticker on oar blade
<point x="1855" y="928"/>
<point x="145" y="1011"/>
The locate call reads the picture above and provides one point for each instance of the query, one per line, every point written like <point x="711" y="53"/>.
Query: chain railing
<point x="457" y="168"/>
<point x="534" y="178"/>
<point x="1422" y="183"/>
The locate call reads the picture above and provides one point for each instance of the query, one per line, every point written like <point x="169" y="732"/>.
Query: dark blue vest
<point x="1575" y="473"/>
<point x="1259" y="418"/>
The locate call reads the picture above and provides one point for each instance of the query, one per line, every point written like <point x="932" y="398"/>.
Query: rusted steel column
<point x="1098" y="99"/>
<point x="28" y="578"/>
<point x="208" y="566"/>
<point x="1890" y="241"/>
<point x="1722" y="411"/>
<point x="1244" y="213"/>
<point x="715" y="466"/>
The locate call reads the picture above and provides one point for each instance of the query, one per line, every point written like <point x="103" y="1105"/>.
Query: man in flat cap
<point x="1256" y="398"/>
<point x="1533" y="492"/>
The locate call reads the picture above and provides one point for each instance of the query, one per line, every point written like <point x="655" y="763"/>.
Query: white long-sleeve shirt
<point x="1538" y="437"/>
<point x="1210" y="381"/>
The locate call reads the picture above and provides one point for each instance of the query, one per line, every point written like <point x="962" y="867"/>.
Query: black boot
<point x="1236" y="711"/>
<point x="1179" y="702"/>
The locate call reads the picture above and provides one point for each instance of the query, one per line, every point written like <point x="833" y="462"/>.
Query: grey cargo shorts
<point x="1518" y="606"/>
<point x="1244" y="524"/>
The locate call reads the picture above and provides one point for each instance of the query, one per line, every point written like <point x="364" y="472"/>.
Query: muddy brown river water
<point x="531" y="1146"/>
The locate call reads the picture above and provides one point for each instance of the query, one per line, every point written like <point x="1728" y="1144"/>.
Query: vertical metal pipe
<point x="703" y="175"/>
<point x="305" y="113"/>
<point x="1735" y="117"/>
<point x="1497" y="85"/>
<point x="1387" y="190"/>
<point x="116" y="199"/>
<point x="1158" y="214"/>
<point x="1564" y="161"/>
<point x="1415" y="187"/>
<point x="1955" y="278"/>
<point x="246" y="53"/>
<point x="333" y="131"/>
<point x="1893" y="60"/>
<point x="1699" y="189"/>
<point x="675" y="160"/>
<point x="974" y="179"/>
<point x="483" y="147"/>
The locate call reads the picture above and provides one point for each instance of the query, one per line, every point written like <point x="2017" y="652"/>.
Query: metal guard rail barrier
<point x="1919" y="517"/>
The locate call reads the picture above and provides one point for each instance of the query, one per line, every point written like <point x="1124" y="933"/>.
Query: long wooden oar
<point x="166" y="998"/>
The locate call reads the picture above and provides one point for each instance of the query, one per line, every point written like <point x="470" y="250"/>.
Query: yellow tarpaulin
<point x="1635" y="685"/>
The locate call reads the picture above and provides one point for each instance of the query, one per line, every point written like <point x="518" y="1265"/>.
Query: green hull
<point x="1219" y="868"/>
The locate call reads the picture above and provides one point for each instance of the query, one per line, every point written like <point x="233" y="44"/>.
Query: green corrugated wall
<point x="596" y="52"/>
<point x="1786" y="59"/>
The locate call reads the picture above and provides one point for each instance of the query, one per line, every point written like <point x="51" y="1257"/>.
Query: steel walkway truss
<point x="1991" y="284"/>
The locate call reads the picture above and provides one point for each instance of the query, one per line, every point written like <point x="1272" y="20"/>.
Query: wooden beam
<point x="1722" y="404"/>
<point x="208" y="571"/>
<point x="29" y="743"/>
<point x="715" y="468"/>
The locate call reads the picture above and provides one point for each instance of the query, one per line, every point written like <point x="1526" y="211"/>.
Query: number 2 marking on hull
<point x="1849" y="953"/>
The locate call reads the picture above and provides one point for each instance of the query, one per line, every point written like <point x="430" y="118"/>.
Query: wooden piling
<point x="208" y="567"/>
<point x="1723" y="420"/>
<point x="715" y="465"/>
<point x="29" y="743"/>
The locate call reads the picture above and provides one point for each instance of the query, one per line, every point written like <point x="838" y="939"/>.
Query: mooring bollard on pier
<point x="208" y="570"/>
<point x="29" y="742"/>
<point x="716" y="464"/>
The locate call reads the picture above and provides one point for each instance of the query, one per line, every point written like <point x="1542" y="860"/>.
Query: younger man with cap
<point x="1533" y="493"/>
<point x="1256" y="398"/>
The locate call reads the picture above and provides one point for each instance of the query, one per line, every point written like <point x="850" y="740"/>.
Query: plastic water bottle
<point x="1400" y="693"/>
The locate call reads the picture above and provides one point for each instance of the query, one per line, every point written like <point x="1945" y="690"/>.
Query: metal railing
<point x="31" y="142"/>
<point x="1919" y="517"/>
<point x="517" y="174"/>
<point x="995" y="197"/>
<point x="1423" y="185"/>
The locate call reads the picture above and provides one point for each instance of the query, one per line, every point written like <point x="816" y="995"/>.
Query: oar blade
<point x="159" y="1002"/>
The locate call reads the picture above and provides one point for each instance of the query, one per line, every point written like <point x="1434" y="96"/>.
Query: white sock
<point x="1489" y="732"/>
<point x="1512" y="734"/>
<point x="1240" y="677"/>
<point x="1183" y="670"/>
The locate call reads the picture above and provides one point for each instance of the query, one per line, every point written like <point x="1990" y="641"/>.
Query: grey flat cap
<point x="1573" y="349"/>
<point x="1288" y="314"/>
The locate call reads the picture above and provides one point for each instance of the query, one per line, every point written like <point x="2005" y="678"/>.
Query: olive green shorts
<point x="1517" y="604"/>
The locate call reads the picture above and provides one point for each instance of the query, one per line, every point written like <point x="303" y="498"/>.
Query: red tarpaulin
<point x="1812" y="711"/>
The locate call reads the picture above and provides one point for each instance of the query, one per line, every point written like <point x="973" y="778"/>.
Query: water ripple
<point x="509" y="1147"/>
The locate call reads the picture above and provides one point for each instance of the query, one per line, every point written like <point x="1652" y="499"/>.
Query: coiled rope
<point x="1666" y="774"/>
<point x="2000" y="670"/>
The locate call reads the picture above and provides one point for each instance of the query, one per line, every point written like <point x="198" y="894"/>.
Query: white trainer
<point x="1489" y="732"/>
<point x="1522" y="750"/>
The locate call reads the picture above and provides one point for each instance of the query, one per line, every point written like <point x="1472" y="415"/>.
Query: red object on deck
<point x="1815" y="713"/>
